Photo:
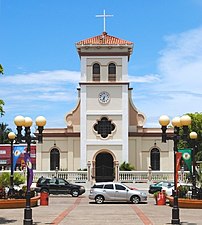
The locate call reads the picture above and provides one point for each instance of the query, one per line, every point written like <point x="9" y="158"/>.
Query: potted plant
<point x="182" y="191"/>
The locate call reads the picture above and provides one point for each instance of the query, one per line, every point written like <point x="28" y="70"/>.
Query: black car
<point x="58" y="186"/>
<point x="158" y="186"/>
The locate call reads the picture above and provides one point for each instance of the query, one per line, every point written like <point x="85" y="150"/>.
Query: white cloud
<point x="44" y="85"/>
<point x="43" y="78"/>
<point x="178" y="87"/>
<point x="181" y="61"/>
<point x="144" y="79"/>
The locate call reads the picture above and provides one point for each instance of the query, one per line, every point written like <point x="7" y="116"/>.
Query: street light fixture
<point x="193" y="137"/>
<point x="177" y="122"/>
<point x="21" y="121"/>
<point x="11" y="137"/>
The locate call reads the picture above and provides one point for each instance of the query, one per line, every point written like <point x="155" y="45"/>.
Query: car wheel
<point x="135" y="199"/>
<point x="75" y="193"/>
<point x="99" y="199"/>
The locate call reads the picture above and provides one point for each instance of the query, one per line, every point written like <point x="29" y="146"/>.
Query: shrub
<point x="126" y="167"/>
<point x="182" y="191"/>
<point x="5" y="179"/>
<point x="18" y="179"/>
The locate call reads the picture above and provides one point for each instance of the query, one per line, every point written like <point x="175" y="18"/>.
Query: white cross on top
<point x="104" y="16"/>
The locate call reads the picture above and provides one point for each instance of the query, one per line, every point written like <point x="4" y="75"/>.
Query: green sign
<point x="186" y="156"/>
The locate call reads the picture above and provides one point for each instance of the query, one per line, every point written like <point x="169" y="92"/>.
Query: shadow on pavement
<point x="6" y="221"/>
<point x="36" y="223"/>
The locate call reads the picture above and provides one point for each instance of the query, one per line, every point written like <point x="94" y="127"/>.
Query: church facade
<point x="105" y="128"/>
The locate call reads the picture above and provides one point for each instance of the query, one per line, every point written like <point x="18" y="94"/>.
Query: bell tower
<point x="104" y="96"/>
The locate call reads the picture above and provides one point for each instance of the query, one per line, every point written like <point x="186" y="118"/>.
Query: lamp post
<point x="193" y="137"/>
<point x="21" y="121"/>
<point x="11" y="137"/>
<point x="177" y="122"/>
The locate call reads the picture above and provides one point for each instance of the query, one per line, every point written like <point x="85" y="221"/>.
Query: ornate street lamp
<point x="177" y="122"/>
<point x="193" y="137"/>
<point x="11" y="137"/>
<point x="21" y="121"/>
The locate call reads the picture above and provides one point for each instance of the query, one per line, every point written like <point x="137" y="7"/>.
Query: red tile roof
<point x="104" y="39"/>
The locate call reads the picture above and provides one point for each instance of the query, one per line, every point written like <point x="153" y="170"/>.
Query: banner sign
<point x="186" y="156"/>
<point x="17" y="151"/>
<point x="178" y="158"/>
<point x="29" y="169"/>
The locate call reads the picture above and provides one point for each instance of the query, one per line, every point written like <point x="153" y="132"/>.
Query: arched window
<point x="112" y="72"/>
<point x="155" y="159"/>
<point x="96" y="72"/>
<point x="54" y="159"/>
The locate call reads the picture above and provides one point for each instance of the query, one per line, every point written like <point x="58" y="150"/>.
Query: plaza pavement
<point x="65" y="210"/>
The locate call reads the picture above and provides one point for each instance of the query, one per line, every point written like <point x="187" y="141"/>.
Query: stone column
<point x="116" y="165"/>
<point x="89" y="171"/>
<point x="93" y="171"/>
<point x="149" y="174"/>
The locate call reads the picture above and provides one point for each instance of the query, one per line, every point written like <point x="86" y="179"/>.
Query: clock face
<point x="104" y="97"/>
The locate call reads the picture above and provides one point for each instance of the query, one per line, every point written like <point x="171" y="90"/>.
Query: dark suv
<point x="58" y="186"/>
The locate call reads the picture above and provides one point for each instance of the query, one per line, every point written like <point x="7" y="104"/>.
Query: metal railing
<point x="124" y="176"/>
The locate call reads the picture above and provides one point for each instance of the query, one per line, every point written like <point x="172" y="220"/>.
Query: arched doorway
<point x="104" y="167"/>
<point x="155" y="159"/>
<point x="54" y="159"/>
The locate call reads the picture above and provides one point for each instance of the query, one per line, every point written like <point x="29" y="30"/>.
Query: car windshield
<point x="126" y="186"/>
<point x="159" y="184"/>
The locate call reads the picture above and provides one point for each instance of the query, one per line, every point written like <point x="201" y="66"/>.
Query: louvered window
<point x="112" y="72"/>
<point x="96" y="72"/>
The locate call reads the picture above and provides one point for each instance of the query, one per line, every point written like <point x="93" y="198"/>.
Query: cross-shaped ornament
<point x="104" y="17"/>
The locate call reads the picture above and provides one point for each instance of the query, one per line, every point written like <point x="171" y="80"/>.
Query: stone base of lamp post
<point x="28" y="211"/>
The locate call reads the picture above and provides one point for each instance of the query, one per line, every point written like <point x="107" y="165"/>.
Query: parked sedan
<point x="187" y="187"/>
<point x="58" y="186"/>
<point x="158" y="186"/>
<point x="111" y="191"/>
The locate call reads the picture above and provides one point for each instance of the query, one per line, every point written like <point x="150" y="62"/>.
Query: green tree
<point x="1" y="101"/>
<point x="1" y="107"/>
<point x="1" y="69"/>
<point x="4" y="130"/>
<point x="196" y="125"/>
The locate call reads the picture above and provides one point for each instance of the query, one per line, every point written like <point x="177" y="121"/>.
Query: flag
<point x="29" y="169"/>
<point x="17" y="151"/>
<point x="178" y="158"/>
<point x="186" y="155"/>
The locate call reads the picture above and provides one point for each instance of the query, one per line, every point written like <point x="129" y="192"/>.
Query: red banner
<point x="178" y="158"/>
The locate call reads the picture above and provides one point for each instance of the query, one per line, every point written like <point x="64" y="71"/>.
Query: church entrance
<point x="104" y="167"/>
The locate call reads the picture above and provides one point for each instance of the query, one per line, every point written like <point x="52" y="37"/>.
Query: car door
<point x="120" y="192"/>
<point x="53" y="186"/>
<point x="109" y="192"/>
<point x="62" y="186"/>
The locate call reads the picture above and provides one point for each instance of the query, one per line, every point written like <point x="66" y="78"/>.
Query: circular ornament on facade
<point x="104" y="97"/>
<point x="186" y="156"/>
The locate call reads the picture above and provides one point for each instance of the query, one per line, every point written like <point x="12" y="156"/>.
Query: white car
<point x="113" y="191"/>
<point x="169" y="190"/>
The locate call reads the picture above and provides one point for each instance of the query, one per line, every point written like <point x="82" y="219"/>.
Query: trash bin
<point x="44" y="198"/>
<point x="161" y="198"/>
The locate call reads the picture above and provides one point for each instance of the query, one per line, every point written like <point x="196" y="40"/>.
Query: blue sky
<point x="42" y="67"/>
